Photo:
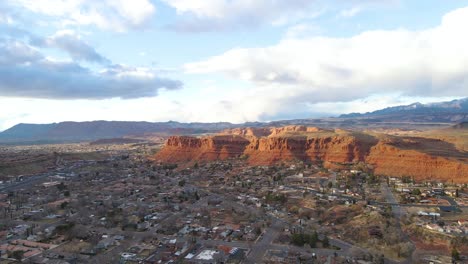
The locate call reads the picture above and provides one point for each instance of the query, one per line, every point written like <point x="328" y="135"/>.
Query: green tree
<point x="455" y="254"/>
<point x="298" y="239"/>
<point x="17" y="254"/>
<point x="416" y="191"/>
<point x="313" y="239"/>
<point x="61" y="186"/>
<point x="181" y="183"/>
<point x="325" y="242"/>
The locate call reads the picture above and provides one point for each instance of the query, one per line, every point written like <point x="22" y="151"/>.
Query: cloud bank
<point x="298" y="72"/>
<point x="26" y="72"/>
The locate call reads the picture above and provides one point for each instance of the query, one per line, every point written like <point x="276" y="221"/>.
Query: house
<point x="128" y="256"/>
<point x="105" y="243"/>
<point x="210" y="256"/>
<point x="434" y="227"/>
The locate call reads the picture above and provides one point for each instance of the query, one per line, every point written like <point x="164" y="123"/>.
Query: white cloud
<point x="116" y="15"/>
<point x="295" y="72"/>
<point x="351" y="12"/>
<point x="207" y="15"/>
<point x="302" y="30"/>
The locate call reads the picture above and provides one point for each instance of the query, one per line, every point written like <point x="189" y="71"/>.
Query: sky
<point x="226" y="60"/>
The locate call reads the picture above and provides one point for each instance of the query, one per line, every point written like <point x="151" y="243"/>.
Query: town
<point x="111" y="203"/>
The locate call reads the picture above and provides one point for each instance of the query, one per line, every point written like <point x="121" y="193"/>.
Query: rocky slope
<point x="421" y="158"/>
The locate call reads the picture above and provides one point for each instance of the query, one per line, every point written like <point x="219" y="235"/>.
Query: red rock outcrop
<point x="394" y="161"/>
<point x="184" y="148"/>
<point x="333" y="148"/>
<point x="248" y="132"/>
<point x="417" y="157"/>
<point x="276" y="131"/>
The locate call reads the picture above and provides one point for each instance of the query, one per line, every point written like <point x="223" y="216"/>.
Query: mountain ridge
<point x="433" y="114"/>
<point x="440" y="111"/>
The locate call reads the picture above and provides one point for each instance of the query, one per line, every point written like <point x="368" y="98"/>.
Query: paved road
<point x="28" y="182"/>
<point x="273" y="246"/>
<point x="397" y="211"/>
<point x="259" y="249"/>
<point x="420" y="205"/>
<point x="333" y="178"/>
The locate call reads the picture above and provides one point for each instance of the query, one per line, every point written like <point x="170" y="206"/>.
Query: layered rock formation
<point x="268" y="150"/>
<point x="393" y="161"/>
<point x="417" y="157"/>
<point x="184" y="149"/>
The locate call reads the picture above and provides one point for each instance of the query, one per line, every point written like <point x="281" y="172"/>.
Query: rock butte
<point x="390" y="156"/>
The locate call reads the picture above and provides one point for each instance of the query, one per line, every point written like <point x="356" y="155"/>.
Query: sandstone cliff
<point x="392" y="160"/>
<point x="330" y="148"/>
<point x="421" y="158"/>
<point x="184" y="149"/>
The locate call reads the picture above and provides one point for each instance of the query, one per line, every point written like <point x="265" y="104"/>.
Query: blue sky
<point x="226" y="60"/>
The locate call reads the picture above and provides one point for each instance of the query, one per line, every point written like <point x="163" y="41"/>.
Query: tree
<point x="381" y="259"/>
<point x="298" y="239"/>
<point x="17" y="254"/>
<point x="416" y="192"/>
<point x="313" y="239"/>
<point x="325" y="242"/>
<point x="63" y="205"/>
<point x="404" y="249"/>
<point x="455" y="254"/>
<point x="181" y="183"/>
<point x="294" y="209"/>
<point x="61" y="186"/>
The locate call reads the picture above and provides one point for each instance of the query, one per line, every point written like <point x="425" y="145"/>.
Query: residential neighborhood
<point x="118" y="206"/>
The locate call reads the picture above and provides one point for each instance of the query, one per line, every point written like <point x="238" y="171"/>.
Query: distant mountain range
<point x="93" y="130"/>
<point x="452" y="112"/>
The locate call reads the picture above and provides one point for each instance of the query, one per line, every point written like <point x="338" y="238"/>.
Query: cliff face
<point x="416" y="157"/>
<point x="393" y="161"/>
<point x="335" y="149"/>
<point x="265" y="150"/>
<point x="248" y="132"/>
<point x="184" y="149"/>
